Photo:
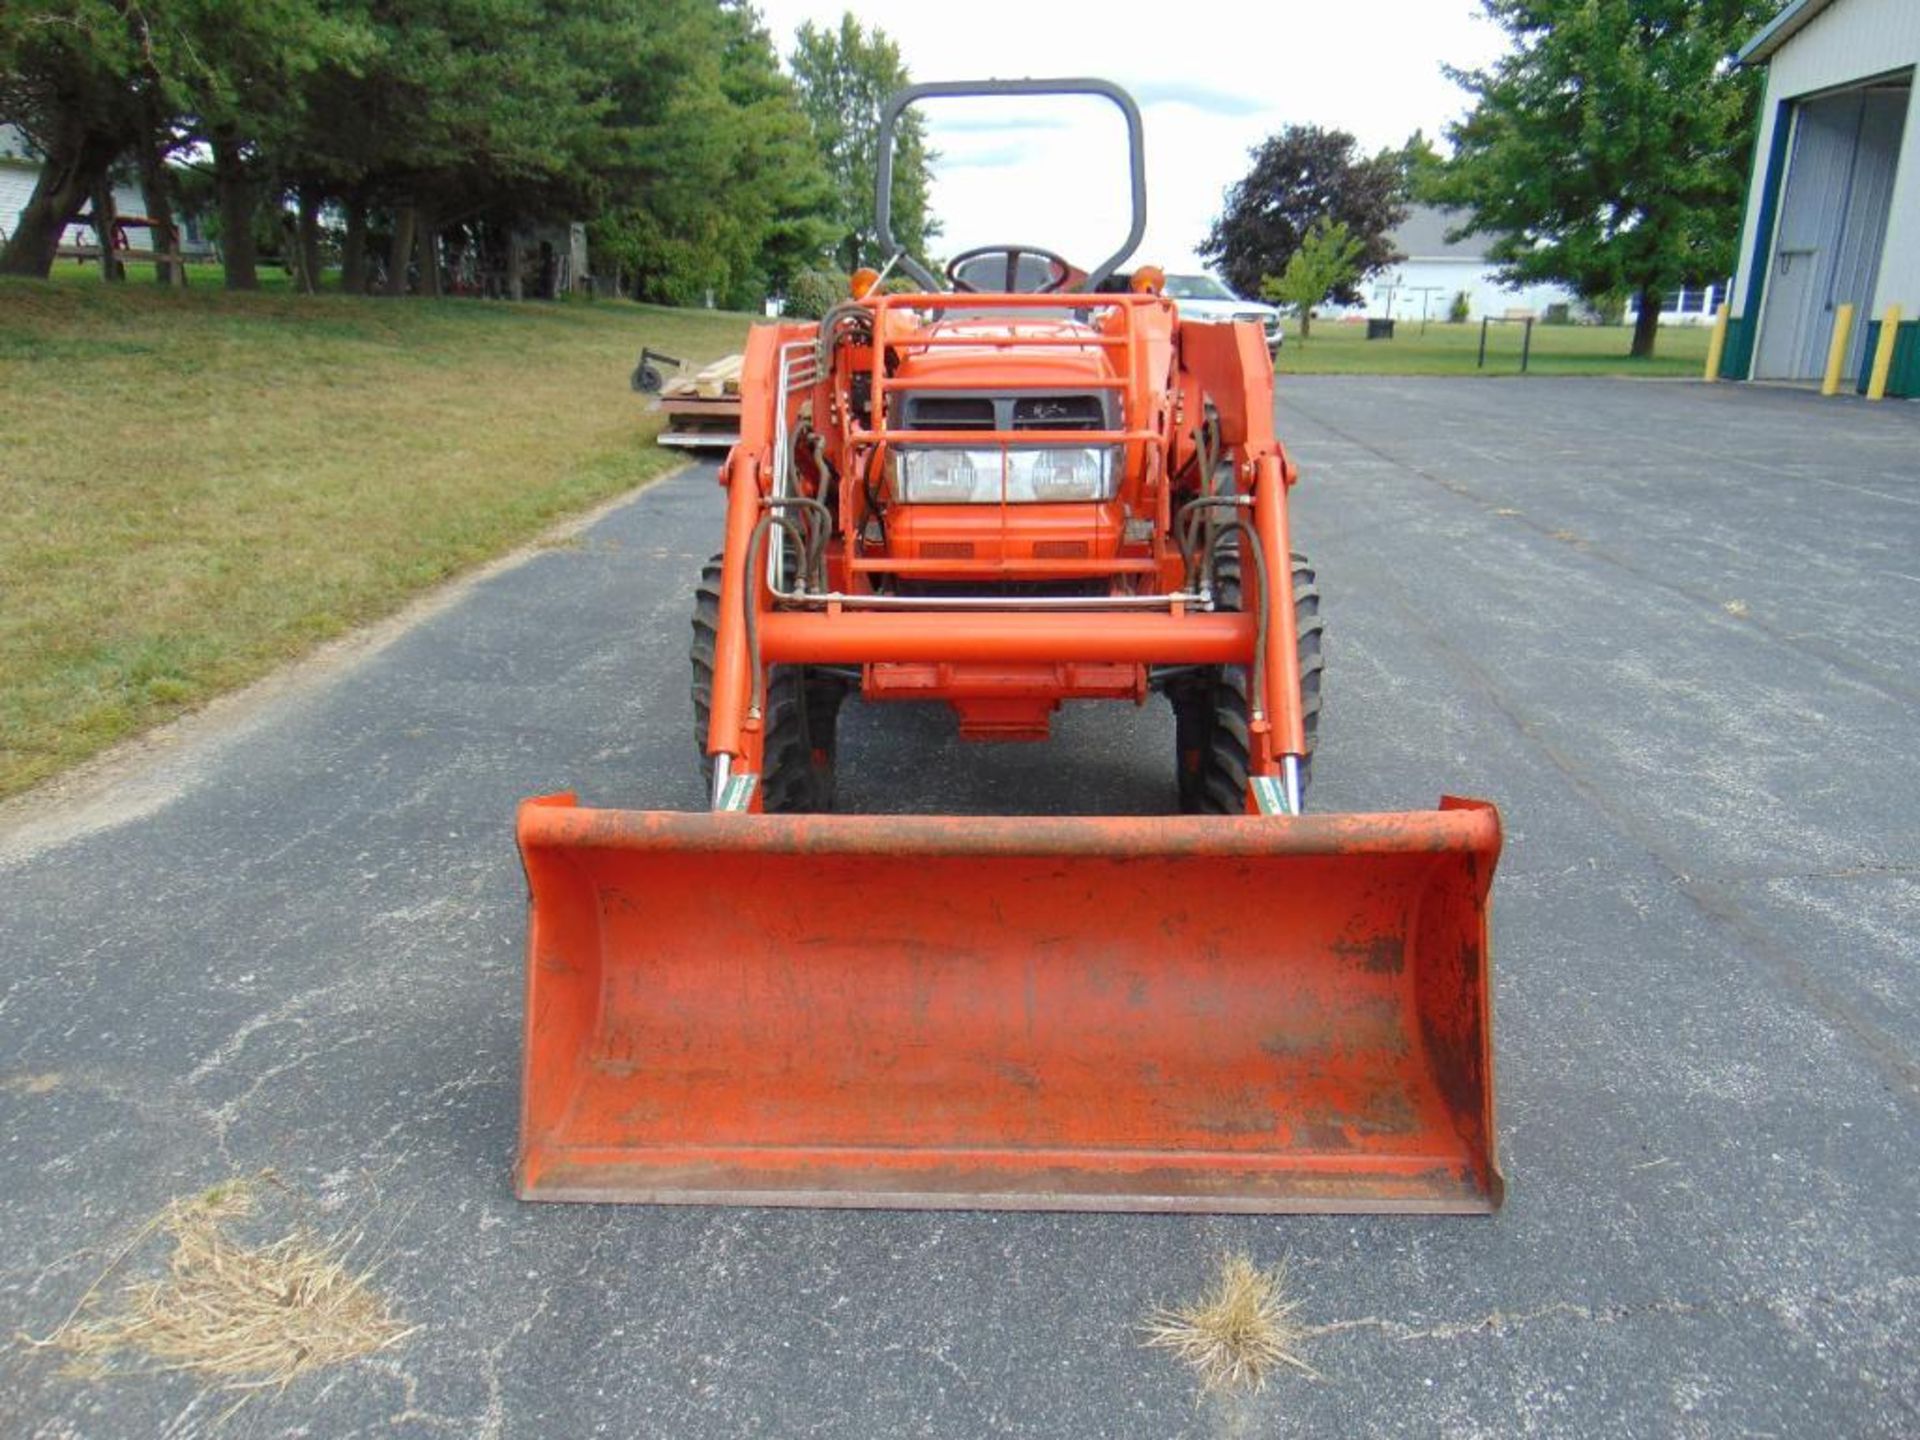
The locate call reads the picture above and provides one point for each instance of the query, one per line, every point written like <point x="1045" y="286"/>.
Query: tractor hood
<point x="1017" y="353"/>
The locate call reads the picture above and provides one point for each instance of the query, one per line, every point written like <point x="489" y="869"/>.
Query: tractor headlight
<point x="1061" y="473"/>
<point x="947" y="477"/>
<point x="1043" y="474"/>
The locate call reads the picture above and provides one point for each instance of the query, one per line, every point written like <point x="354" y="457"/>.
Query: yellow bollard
<point x="1837" y="350"/>
<point x="1883" y="353"/>
<point x="1719" y="341"/>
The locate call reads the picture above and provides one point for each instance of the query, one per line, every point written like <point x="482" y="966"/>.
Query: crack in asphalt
<point x="1783" y="1304"/>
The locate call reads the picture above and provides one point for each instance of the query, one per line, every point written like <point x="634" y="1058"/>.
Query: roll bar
<point x="948" y="89"/>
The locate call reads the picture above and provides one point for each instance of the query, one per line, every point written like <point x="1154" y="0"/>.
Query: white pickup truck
<point x="1202" y="297"/>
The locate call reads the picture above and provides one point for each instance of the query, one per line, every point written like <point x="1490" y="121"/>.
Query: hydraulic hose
<point x="756" y="696"/>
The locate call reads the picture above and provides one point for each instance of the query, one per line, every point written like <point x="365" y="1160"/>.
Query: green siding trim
<point x="1903" y="380"/>
<point x="1736" y="361"/>
<point x="1736" y="357"/>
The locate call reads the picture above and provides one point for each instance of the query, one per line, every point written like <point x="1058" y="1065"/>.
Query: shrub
<point x="814" y="292"/>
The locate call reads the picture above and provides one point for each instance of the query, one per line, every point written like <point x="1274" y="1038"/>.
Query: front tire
<point x="802" y="709"/>
<point x="1212" y="713"/>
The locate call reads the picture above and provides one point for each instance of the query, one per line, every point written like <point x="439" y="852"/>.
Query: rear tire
<point x="802" y="708"/>
<point x="1212" y="715"/>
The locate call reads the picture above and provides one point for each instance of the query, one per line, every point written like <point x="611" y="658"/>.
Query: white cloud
<point x="1213" y="78"/>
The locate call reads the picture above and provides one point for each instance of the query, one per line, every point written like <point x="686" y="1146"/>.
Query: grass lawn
<point x="1341" y="347"/>
<point x="199" y="486"/>
<point x="201" y="275"/>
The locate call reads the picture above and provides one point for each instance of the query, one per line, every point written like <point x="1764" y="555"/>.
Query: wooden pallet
<point x="703" y="409"/>
<point x="694" y="423"/>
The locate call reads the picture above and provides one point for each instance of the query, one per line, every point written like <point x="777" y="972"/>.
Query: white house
<point x="1833" y="202"/>
<point x="1437" y="269"/>
<point x="1687" y="306"/>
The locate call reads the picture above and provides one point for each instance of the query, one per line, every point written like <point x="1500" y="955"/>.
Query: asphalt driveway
<point x="1673" y="629"/>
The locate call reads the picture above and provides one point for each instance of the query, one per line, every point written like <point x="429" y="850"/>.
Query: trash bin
<point x="1379" y="329"/>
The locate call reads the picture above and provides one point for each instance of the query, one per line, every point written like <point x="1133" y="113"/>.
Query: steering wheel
<point x="1059" y="270"/>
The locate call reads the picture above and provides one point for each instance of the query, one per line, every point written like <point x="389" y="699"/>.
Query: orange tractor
<point x="1026" y="484"/>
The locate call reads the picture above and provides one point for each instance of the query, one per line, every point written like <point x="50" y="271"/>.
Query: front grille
<point x="1060" y="550"/>
<point x="950" y="412"/>
<point x="946" y="550"/>
<point x="1060" y="412"/>
<point x="1006" y="412"/>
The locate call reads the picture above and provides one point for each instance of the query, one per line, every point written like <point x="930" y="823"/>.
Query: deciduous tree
<point x="1607" y="150"/>
<point x="718" y="189"/>
<point x="1328" y="259"/>
<point x="1420" y="166"/>
<point x="845" y="75"/>
<point x="1300" y="176"/>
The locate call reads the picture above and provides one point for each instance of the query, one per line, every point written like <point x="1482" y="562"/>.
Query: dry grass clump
<point x="1238" y="1332"/>
<point x="246" y="1316"/>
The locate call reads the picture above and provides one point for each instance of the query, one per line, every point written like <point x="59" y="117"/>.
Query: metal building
<point x="1833" y="206"/>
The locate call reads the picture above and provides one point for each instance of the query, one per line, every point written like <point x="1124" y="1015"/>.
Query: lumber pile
<point x="703" y="409"/>
<point x="718" y="380"/>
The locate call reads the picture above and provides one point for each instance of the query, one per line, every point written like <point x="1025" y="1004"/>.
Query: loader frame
<point x="1160" y="611"/>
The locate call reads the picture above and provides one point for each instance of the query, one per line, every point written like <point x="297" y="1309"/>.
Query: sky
<point x="1212" y="77"/>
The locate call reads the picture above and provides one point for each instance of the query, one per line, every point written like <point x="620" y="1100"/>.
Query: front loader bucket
<point x="1231" y="1014"/>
